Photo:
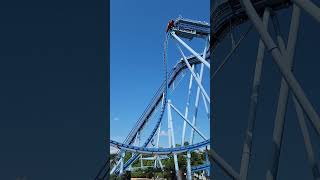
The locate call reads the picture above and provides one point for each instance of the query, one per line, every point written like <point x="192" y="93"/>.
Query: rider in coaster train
<point x="170" y="25"/>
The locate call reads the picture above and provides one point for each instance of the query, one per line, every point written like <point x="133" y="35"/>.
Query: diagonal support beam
<point x="281" y="62"/>
<point x="186" y="120"/>
<point x="194" y="75"/>
<point x="214" y="157"/>
<point x="307" y="142"/>
<point x="195" y="113"/>
<point x="309" y="7"/>
<point x="173" y="34"/>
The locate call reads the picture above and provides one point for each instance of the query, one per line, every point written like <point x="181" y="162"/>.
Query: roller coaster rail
<point x="186" y="29"/>
<point x="227" y="15"/>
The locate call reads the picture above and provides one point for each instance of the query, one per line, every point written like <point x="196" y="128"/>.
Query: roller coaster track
<point x="202" y="29"/>
<point x="159" y="151"/>
<point x="151" y="108"/>
<point x="227" y="15"/>
<point x="200" y="167"/>
<point x="156" y="100"/>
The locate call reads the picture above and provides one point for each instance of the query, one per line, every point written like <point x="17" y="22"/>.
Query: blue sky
<point x="137" y="36"/>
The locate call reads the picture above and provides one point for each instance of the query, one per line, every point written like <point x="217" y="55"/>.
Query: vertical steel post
<point x="207" y="161"/>
<point x="283" y="95"/>
<point x="157" y="144"/>
<point x="121" y="162"/>
<point x="282" y="65"/>
<point x="141" y="161"/>
<point x="189" y="176"/>
<point x="307" y="142"/>
<point x="187" y="108"/>
<point x="173" y="144"/>
<point x="194" y="117"/>
<point x="155" y="163"/>
<point x="169" y="126"/>
<point x="246" y="152"/>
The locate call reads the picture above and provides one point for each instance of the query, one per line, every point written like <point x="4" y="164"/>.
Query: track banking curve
<point x="159" y="151"/>
<point x="156" y="100"/>
<point x="178" y="68"/>
<point x="227" y="15"/>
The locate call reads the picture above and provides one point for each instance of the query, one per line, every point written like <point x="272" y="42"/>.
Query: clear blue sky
<point x="137" y="36"/>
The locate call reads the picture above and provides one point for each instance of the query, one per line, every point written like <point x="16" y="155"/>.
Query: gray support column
<point x="309" y="7"/>
<point x="207" y="161"/>
<point x="121" y="163"/>
<point x="246" y="152"/>
<point x="141" y="162"/>
<point x="187" y="108"/>
<point x="308" y="145"/>
<point x="214" y="157"/>
<point x="283" y="95"/>
<point x="281" y="62"/>
<point x="189" y="176"/>
<point x="173" y="144"/>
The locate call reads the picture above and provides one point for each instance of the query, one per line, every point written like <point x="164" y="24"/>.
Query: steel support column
<point x="223" y="164"/>
<point x="283" y="95"/>
<point x="189" y="176"/>
<point x="173" y="144"/>
<point x="187" y="109"/>
<point x="309" y="7"/>
<point x="307" y="142"/>
<point x="186" y="120"/>
<point x="246" y="152"/>
<point x="282" y="65"/>
<point x="121" y="163"/>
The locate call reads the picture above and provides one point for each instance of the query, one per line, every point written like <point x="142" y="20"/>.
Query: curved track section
<point x="227" y="15"/>
<point x="159" y="151"/>
<point x="200" y="167"/>
<point x="156" y="100"/>
<point x="178" y="68"/>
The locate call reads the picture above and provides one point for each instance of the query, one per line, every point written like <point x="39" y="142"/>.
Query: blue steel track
<point x="227" y="15"/>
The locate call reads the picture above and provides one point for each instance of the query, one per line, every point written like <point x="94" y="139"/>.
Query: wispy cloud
<point x="116" y="118"/>
<point x="163" y="133"/>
